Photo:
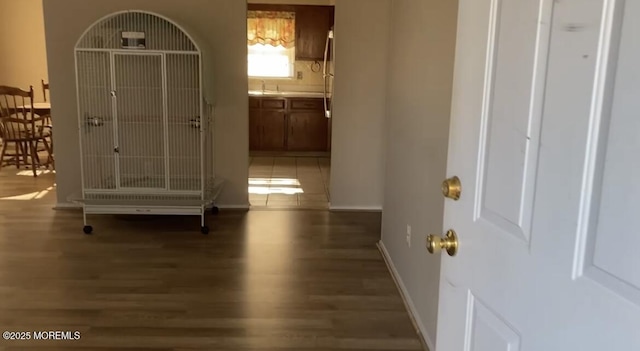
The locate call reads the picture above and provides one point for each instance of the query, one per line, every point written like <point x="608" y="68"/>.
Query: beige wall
<point x="222" y="23"/>
<point x="418" y="106"/>
<point x="359" y="97"/>
<point x="23" y="58"/>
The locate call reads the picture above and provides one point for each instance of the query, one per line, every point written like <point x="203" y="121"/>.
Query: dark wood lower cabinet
<point x="291" y="124"/>
<point x="255" y="130"/>
<point x="273" y="130"/>
<point x="266" y="130"/>
<point x="308" y="131"/>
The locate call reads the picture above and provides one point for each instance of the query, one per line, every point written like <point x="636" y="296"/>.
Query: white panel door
<point x="545" y="137"/>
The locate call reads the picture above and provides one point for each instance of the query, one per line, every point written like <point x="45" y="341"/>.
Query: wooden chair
<point x="24" y="129"/>
<point x="45" y="94"/>
<point x="45" y="89"/>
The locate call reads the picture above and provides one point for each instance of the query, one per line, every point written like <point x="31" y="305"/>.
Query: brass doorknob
<point x="451" y="188"/>
<point x="449" y="243"/>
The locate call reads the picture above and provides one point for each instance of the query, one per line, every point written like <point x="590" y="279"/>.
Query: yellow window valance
<point x="271" y="28"/>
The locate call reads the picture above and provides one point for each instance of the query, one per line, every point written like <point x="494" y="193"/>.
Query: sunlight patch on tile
<point x="265" y="186"/>
<point x="274" y="181"/>
<point x="274" y="190"/>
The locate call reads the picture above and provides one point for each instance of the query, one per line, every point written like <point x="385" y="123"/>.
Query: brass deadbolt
<point x="451" y="188"/>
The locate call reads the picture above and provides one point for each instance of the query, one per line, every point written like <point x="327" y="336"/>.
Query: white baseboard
<point x="355" y="208"/>
<point x="411" y="308"/>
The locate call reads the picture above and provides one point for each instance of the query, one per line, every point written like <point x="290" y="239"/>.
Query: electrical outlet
<point x="299" y="75"/>
<point x="408" y="235"/>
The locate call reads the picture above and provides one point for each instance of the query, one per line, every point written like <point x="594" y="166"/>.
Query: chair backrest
<point x="45" y="89"/>
<point x="16" y="102"/>
<point x="16" y="111"/>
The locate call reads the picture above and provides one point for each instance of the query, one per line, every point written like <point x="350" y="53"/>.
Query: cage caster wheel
<point x="87" y="229"/>
<point x="215" y="210"/>
<point x="204" y="230"/>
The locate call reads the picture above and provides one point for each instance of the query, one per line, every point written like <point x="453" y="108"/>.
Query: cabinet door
<point x="312" y="26"/>
<point x="255" y="129"/>
<point x="273" y="127"/>
<point x="307" y="131"/>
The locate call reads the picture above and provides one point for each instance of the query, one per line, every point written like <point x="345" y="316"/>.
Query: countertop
<point x="274" y="93"/>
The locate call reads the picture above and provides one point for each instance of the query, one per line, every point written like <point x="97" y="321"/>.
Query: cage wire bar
<point x="146" y="128"/>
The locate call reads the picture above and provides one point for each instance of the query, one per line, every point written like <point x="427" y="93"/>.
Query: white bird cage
<point x="146" y="127"/>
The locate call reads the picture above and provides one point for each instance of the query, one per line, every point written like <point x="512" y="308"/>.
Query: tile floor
<point x="289" y="182"/>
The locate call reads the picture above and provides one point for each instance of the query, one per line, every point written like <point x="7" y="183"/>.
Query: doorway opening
<point x="290" y="71"/>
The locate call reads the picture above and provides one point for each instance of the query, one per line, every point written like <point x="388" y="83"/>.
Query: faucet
<point x="262" y="85"/>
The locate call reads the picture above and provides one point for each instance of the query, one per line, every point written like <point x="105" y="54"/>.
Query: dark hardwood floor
<point x="262" y="280"/>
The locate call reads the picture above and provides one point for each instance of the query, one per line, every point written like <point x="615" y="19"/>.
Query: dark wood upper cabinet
<point x="312" y="26"/>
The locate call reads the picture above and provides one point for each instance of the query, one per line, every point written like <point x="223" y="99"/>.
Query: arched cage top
<point x="136" y="30"/>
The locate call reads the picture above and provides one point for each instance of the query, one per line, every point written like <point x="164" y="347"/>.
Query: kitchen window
<point x="271" y="44"/>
